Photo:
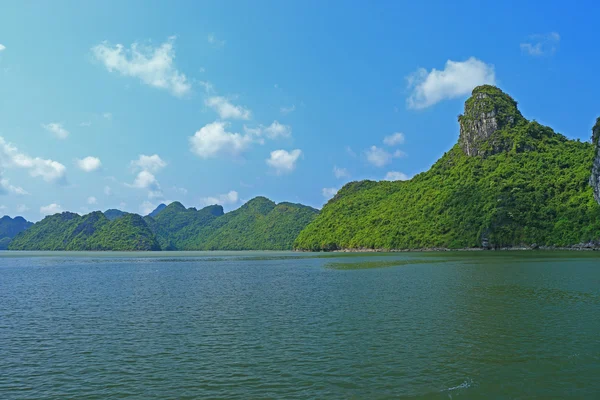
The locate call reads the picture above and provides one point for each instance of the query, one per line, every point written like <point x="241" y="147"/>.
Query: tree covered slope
<point x="507" y="182"/>
<point x="10" y="227"/>
<point x="260" y="224"/>
<point x="94" y="231"/>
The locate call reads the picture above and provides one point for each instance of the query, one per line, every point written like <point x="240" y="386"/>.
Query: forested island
<point x="508" y="183"/>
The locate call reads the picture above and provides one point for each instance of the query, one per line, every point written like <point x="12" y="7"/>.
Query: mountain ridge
<point x="259" y="224"/>
<point x="508" y="182"/>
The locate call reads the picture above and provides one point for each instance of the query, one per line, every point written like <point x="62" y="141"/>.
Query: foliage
<point x="535" y="192"/>
<point x="68" y="231"/>
<point x="10" y="227"/>
<point x="259" y="224"/>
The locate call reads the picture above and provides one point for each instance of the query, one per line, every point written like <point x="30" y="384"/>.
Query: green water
<point x="513" y="325"/>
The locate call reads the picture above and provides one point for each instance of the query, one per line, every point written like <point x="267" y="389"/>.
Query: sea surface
<point x="488" y="325"/>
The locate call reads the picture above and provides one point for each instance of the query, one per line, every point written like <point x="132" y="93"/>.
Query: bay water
<point x="242" y="325"/>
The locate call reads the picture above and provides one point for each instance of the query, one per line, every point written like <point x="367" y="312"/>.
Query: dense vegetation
<point x="68" y="231"/>
<point x="259" y="224"/>
<point x="10" y="227"/>
<point x="527" y="186"/>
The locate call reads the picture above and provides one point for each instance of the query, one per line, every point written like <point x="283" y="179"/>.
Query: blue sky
<point x="112" y="104"/>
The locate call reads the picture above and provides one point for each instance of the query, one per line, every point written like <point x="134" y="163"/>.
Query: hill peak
<point x="487" y="111"/>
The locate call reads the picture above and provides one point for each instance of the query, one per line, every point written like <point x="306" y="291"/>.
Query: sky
<point x="128" y="104"/>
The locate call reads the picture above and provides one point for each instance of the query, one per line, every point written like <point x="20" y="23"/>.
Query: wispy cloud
<point x="541" y="44"/>
<point x="232" y="197"/>
<point x="212" y="39"/>
<point x="226" y="109"/>
<point x="154" y="66"/>
<point x="57" y="129"/>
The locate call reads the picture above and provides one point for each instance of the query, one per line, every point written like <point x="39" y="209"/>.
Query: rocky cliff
<point x="488" y="111"/>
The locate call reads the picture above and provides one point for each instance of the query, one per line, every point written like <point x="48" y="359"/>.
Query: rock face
<point x="487" y="111"/>
<point x="595" y="177"/>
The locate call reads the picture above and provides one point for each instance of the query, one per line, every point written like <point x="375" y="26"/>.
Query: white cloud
<point x="107" y="190"/>
<point x="226" y="109"/>
<point x="2" y="47"/>
<point x="273" y="131"/>
<point x="151" y="163"/>
<point x="85" y="124"/>
<point x="56" y="129"/>
<point x="107" y="116"/>
<point x="154" y="66"/>
<point x="89" y="164"/>
<point x="287" y="110"/>
<point x="350" y="152"/>
<point x="212" y="39"/>
<point x="180" y="190"/>
<point x="146" y="207"/>
<point x="276" y="130"/>
<point x="92" y="200"/>
<point x="329" y="192"/>
<point x="394" y="139"/>
<point x="541" y="44"/>
<point x="223" y="199"/>
<point x="49" y="170"/>
<point x="340" y="172"/>
<point x="22" y="208"/>
<point x="396" y="176"/>
<point x="50" y="209"/>
<point x="145" y="180"/>
<point x="457" y="78"/>
<point x="213" y="140"/>
<point x="6" y="187"/>
<point x="282" y="161"/>
<point x="380" y="157"/>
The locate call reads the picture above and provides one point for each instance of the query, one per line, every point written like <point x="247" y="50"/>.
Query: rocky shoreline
<point x="580" y="247"/>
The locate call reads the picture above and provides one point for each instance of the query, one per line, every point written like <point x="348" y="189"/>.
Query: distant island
<point x="260" y="224"/>
<point x="507" y="183"/>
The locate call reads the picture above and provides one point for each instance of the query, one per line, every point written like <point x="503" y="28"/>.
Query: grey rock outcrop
<point x="487" y="111"/>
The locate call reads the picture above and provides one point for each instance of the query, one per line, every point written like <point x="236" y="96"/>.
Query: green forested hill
<point x="259" y="224"/>
<point x="10" y="227"/>
<point x="508" y="182"/>
<point x="69" y="231"/>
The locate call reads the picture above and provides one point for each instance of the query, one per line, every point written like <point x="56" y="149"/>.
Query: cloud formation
<point x="394" y="139"/>
<point x="282" y="161"/>
<point x="541" y="44"/>
<point x="151" y="163"/>
<point x="49" y="170"/>
<point x="51" y="209"/>
<point x="231" y="197"/>
<point x="56" y="129"/>
<point x="328" y="193"/>
<point x="153" y="66"/>
<point x="457" y="79"/>
<point x="214" y="140"/>
<point x="226" y="109"/>
<point x="340" y="172"/>
<point x="212" y="39"/>
<point x="380" y="157"/>
<point x="2" y="47"/>
<point x="89" y="164"/>
<point x="396" y="176"/>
